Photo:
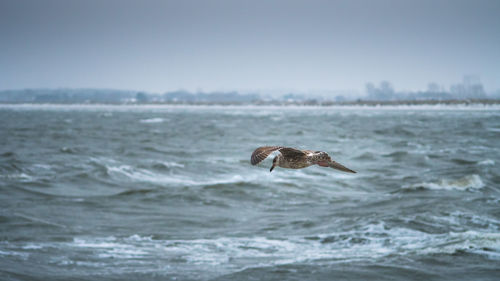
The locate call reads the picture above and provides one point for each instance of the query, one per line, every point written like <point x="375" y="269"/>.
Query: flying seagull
<point x="293" y="158"/>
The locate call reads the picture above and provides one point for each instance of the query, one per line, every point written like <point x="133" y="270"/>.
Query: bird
<point x="293" y="158"/>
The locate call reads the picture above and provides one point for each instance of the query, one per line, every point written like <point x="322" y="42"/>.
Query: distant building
<point x="471" y="88"/>
<point x="385" y="91"/>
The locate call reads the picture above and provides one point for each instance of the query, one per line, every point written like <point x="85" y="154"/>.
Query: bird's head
<point x="275" y="162"/>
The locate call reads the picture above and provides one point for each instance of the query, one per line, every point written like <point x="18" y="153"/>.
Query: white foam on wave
<point x="42" y="166"/>
<point x="370" y="243"/>
<point x="110" y="247"/>
<point x="142" y="175"/>
<point x="22" y="177"/>
<point x="470" y="182"/>
<point x="32" y="247"/>
<point x="460" y="218"/>
<point x="118" y="170"/>
<point x="171" y="164"/>
<point x="14" y="254"/>
<point x="487" y="162"/>
<point x="230" y="254"/>
<point x="153" y="120"/>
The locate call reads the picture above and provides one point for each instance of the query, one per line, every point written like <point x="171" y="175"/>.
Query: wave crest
<point x="153" y="120"/>
<point x="470" y="182"/>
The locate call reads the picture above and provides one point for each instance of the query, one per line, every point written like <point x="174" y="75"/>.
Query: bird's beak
<point x="270" y="170"/>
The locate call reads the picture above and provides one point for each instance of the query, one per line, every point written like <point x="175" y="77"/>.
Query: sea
<point x="167" y="192"/>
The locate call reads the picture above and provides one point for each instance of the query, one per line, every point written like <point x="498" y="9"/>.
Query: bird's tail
<point x="340" y="167"/>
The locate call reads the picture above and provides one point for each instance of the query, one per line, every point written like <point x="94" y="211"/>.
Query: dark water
<point x="143" y="193"/>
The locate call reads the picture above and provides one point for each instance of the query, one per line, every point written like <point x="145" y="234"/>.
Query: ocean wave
<point x="119" y="171"/>
<point x="21" y="177"/>
<point x="235" y="253"/>
<point x="365" y="156"/>
<point x="485" y="222"/>
<point x="167" y="165"/>
<point x="487" y="162"/>
<point x="153" y="120"/>
<point x="371" y="242"/>
<point x="68" y="150"/>
<point x="8" y="154"/>
<point x="470" y="182"/>
<point x="142" y="175"/>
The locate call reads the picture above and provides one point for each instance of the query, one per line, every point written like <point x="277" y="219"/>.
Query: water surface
<point x="167" y="192"/>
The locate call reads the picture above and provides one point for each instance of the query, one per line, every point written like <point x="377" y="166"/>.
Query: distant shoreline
<point x="355" y="106"/>
<point x="312" y="103"/>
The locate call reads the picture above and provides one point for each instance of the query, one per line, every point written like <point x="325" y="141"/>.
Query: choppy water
<point x="142" y="193"/>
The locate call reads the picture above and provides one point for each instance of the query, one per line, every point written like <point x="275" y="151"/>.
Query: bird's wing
<point x="291" y="152"/>
<point x="262" y="152"/>
<point x="309" y="152"/>
<point x="338" y="166"/>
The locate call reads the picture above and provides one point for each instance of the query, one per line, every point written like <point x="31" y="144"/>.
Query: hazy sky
<point x="247" y="45"/>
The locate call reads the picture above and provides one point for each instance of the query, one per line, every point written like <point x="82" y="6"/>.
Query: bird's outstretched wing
<point x="338" y="166"/>
<point x="262" y="152"/>
<point x="291" y="152"/>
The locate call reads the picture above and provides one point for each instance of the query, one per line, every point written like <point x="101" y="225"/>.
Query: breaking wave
<point x="230" y="253"/>
<point x="487" y="162"/>
<point x="153" y="120"/>
<point x="470" y="182"/>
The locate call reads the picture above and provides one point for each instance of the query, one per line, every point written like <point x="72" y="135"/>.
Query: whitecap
<point x="108" y="242"/>
<point x="172" y="164"/>
<point x="470" y="182"/>
<point x="66" y="149"/>
<point x="22" y="177"/>
<point x="152" y="120"/>
<point x="231" y="254"/>
<point x="138" y="238"/>
<point x="371" y="242"/>
<point x="112" y="247"/>
<point x="487" y="162"/>
<point x="13" y="253"/>
<point x="81" y="263"/>
<point x="32" y="247"/>
<point x="461" y="218"/>
<point x="142" y="175"/>
<point x="43" y="166"/>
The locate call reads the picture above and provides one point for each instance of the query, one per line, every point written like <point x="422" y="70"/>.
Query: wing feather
<point x="262" y="152"/>
<point x="291" y="152"/>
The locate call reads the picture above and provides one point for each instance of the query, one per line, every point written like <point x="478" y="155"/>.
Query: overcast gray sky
<point x="247" y="45"/>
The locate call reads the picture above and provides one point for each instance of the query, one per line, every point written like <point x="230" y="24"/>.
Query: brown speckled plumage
<point x="292" y="158"/>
